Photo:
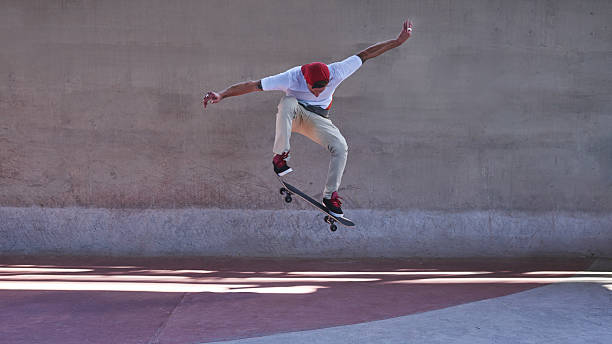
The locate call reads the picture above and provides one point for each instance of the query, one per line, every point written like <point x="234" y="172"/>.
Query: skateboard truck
<point x="287" y="194"/>
<point x="331" y="221"/>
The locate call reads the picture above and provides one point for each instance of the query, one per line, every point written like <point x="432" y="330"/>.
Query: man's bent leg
<point x="325" y="133"/>
<point x="287" y="109"/>
<point x="339" y="152"/>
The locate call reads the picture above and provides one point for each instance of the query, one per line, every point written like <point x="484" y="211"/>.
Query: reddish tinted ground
<point x="189" y="300"/>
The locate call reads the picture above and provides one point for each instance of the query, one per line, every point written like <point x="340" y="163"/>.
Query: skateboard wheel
<point x="288" y="199"/>
<point x="333" y="228"/>
<point x="327" y="219"/>
<point x="282" y="191"/>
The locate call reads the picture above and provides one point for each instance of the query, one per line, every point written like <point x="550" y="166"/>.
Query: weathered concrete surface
<point x="283" y="233"/>
<point x="492" y="107"/>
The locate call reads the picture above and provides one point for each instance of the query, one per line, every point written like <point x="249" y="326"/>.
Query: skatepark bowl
<point x="478" y="176"/>
<point x="201" y="300"/>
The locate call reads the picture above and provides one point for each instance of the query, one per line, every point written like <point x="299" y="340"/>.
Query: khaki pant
<point x="292" y="117"/>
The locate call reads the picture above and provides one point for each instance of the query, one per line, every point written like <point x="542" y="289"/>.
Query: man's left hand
<point x="405" y="34"/>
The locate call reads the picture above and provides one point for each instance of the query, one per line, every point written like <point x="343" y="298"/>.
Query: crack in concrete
<point x="162" y="327"/>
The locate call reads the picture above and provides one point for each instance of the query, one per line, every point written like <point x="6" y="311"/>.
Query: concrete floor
<point x="200" y="300"/>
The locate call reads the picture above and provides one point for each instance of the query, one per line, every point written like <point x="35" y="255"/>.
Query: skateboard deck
<point x="288" y="190"/>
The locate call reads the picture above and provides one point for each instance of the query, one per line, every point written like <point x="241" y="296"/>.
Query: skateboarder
<point x="306" y="106"/>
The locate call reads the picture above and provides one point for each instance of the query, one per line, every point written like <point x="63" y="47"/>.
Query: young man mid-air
<point x="305" y="109"/>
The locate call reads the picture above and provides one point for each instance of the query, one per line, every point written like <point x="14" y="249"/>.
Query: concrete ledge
<point x="282" y="233"/>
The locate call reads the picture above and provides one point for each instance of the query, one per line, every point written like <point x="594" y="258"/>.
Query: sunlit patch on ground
<point x="142" y="279"/>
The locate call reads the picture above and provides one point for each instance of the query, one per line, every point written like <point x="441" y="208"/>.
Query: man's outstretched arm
<point x="234" y="90"/>
<point x="381" y="47"/>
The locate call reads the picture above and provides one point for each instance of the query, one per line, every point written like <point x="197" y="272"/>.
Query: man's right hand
<point x="212" y="97"/>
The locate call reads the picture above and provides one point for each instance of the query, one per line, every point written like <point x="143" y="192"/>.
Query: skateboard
<point x="288" y="190"/>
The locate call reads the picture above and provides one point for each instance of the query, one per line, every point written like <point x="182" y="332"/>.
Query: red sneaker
<point x="280" y="164"/>
<point x="333" y="204"/>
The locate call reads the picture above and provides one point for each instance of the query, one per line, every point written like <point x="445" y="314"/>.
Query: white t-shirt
<point x="294" y="84"/>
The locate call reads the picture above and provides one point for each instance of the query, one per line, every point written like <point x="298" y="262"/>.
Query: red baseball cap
<point x="316" y="72"/>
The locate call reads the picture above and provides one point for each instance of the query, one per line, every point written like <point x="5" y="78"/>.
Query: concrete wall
<point x="492" y="106"/>
<point x="301" y="233"/>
